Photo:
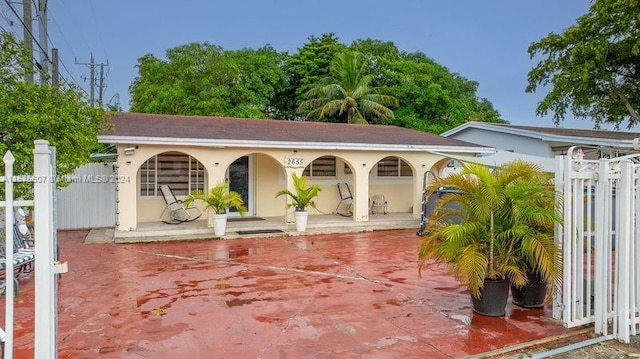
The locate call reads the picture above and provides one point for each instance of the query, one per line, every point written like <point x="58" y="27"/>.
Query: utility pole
<point x="44" y="42"/>
<point x="101" y="87"/>
<point x="55" y="72"/>
<point x="92" y="79"/>
<point x="28" y="41"/>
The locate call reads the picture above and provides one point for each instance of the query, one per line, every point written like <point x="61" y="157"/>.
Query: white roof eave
<point x="542" y="136"/>
<point x="285" y="144"/>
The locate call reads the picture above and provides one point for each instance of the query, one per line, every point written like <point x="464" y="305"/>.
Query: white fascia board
<point x="596" y="141"/>
<point x="282" y="144"/>
<point x="455" y="130"/>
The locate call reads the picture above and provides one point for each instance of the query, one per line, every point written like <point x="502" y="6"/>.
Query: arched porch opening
<point x="392" y="180"/>
<point x="182" y="172"/>
<point x="328" y="171"/>
<point x="257" y="176"/>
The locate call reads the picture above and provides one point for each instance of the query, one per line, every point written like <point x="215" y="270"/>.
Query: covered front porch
<point x="264" y="227"/>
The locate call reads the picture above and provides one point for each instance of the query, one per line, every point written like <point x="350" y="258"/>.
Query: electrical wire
<point x="62" y="78"/>
<point x="71" y="17"/>
<point x="64" y="38"/>
<point x="46" y="55"/>
<point x="97" y="21"/>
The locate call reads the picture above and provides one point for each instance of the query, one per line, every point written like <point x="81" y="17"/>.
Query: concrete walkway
<point x="348" y="295"/>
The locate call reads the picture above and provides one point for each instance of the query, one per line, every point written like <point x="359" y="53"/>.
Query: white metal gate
<point x="599" y="239"/>
<point x="89" y="201"/>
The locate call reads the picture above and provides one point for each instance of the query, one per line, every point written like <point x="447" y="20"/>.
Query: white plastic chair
<point x="378" y="204"/>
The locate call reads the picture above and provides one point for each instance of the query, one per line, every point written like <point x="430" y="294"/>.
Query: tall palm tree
<point x="348" y="91"/>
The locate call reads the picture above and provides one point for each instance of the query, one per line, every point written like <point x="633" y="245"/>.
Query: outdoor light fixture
<point x="216" y="163"/>
<point x="129" y="151"/>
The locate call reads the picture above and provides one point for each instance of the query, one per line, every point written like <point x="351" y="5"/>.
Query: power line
<point x="64" y="38"/>
<point x="46" y="55"/>
<point x="35" y="63"/>
<point x="98" y="27"/>
<point x="71" y="17"/>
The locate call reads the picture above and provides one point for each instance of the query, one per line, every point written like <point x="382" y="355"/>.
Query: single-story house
<point x="258" y="157"/>
<point x="543" y="141"/>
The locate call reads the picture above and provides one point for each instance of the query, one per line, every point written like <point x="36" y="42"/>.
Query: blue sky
<point x="485" y="41"/>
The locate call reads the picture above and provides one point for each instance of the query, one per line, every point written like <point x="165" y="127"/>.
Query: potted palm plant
<point x="302" y="198"/>
<point x="500" y="232"/>
<point x="219" y="199"/>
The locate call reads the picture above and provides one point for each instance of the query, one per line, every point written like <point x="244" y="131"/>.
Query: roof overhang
<point x="501" y="157"/>
<point x="164" y="141"/>
<point x="547" y="137"/>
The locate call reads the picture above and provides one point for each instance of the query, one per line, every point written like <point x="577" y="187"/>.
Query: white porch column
<point x="289" y="171"/>
<point x="361" y="192"/>
<point x="418" y="189"/>
<point x="216" y="173"/>
<point x="127" y="195"/>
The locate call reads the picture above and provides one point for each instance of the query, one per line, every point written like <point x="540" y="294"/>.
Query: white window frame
<point x="398" y="168"/>
<point x="312" y="174"/>
<point x="195" y="176"/>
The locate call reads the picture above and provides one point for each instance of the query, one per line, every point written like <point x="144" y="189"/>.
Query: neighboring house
<point x="258" y="157"/>
<point x="543" y="141"/>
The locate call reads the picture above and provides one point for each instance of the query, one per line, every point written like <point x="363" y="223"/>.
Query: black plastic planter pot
<point x="493" y="298"/>
<point x="532" y="294"/>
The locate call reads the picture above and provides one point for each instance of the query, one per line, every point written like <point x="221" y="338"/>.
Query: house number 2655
<point x="294" y="162"/>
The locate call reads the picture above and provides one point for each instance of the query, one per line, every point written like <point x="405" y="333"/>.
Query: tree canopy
<point x="347" y="93"/>
<point x="593" y="67"/>
<point x="29" y="112"/>
<point x="204" y="79"/>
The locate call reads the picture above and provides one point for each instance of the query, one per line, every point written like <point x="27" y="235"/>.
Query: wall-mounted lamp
<point x="295" y="151"/>
<point x="364" y="165"/>
<point x="424" y="165"/>
<point x="216" y="163"/>
<point x="129" y="151"/>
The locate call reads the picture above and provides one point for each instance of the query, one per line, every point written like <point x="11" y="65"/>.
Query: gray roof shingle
<point x="221" y="128"/>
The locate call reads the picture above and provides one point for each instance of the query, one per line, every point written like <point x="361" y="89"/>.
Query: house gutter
<point x="597" y="141"/>
<point x="288" y="145"/>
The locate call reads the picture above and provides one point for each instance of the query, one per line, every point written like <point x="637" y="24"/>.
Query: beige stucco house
<point x="257" y="158"/>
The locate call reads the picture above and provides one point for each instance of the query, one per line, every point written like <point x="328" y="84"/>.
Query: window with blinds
<point x="179" y="171"/>
<point x="321" y="167"/>
<point x="393" y="167"/>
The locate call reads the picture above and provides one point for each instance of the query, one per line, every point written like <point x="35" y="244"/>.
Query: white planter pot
<point x="219" y="223"/>
<point x="301" y="220"/>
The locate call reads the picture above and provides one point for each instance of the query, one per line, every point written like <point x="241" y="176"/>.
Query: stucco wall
<point x="399" y="196"/>
<point x="272" y="174"/>
<point x="269" y="179"/>
<point x="505" y="141"/>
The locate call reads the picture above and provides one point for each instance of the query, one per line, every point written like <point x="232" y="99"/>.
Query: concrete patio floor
<point x="349" y="295"/>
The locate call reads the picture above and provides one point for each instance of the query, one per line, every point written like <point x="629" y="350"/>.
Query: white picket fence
<point x="46" y="268"/>
<point x="599" y="238"/>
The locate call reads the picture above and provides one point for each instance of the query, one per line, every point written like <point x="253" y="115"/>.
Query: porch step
<point x="155" y="232"/>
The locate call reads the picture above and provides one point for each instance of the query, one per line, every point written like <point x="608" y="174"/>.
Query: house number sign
<point x="294" y="162"/>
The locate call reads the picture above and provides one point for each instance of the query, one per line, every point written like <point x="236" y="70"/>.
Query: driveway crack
<point x="291" y="319"/>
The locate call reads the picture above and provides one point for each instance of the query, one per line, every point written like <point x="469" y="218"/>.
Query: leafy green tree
<point x="593" y="67"/>
<point x="348" y="93"/>
<point x="432" y="98"/>
<point x="203" y="79"/>
<point x="311" y="63"/>
<point x="29" y="112"/>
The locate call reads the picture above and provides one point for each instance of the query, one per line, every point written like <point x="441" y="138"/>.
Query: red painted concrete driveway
<point x="342" y="295"/>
